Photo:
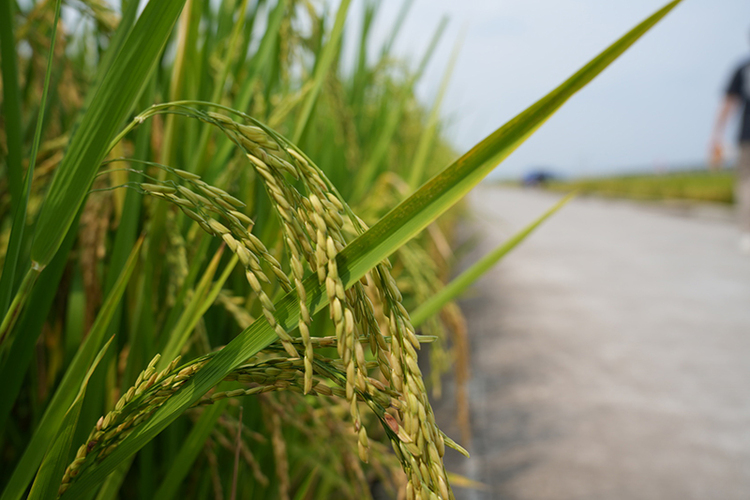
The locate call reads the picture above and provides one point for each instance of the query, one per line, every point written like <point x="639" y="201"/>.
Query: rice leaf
<point x="402" y="15"/>
<point x="11" y="101"/>
<point x="202" y="300"/>
<point x="63" y="398"/>
<point x="323" y="64"/>
<point x="111" y="105"/>
<point x="47" y="480"/>
<point x="19" y="215"/>
<point x="15" y="368"/>
<point x="428" y="136"/>
<point x="191" y="447"/>
<point x="456" y="287"/>
<point x="393" y="118"/>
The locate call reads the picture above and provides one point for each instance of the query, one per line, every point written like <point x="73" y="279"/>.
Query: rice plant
<point x="214" y="238"/>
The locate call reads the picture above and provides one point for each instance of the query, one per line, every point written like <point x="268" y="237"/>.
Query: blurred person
<point x="737" y="98"/>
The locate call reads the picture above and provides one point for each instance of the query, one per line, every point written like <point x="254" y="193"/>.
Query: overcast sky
<point x="654" y="108"/>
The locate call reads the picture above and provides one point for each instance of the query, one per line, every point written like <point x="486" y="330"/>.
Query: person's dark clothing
<point x="739" y="87"/>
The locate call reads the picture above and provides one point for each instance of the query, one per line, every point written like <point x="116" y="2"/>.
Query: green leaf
<point x="111" y="105"/>
<point x="201" y="301"/>
<point x="189" y="451"/>
<point x="13" y="371"/>
<point x="53" y="416"/>
<point x="369" y="249"/>
<point x="369" y="170"/>
<point x="322" y="66"/>
<point x="428" y="136"/>
<point x="461" y="282"/>
<point x="11" y="101"/>
<point x="50" y="473"/>
<point x="13" y="250"/>
<point x="402" y="15"/>
<point x="219" y="85"/>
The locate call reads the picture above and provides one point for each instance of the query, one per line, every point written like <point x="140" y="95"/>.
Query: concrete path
<point x="611" y="354"/>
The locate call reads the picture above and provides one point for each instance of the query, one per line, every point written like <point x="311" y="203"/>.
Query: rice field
<point x="224" y="251"/>
<point x="700" y="185"/>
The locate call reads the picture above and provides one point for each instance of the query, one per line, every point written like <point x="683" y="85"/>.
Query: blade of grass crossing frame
<point x="65" y="392"/>
<point x="195" y="264"/>
<point x="304" y="488"/>
<point x="176" y="86"/>
<point x="114" y="99"/>
<point x="47" y="480"/>
<point x="115" y="44"/>
<point x="111" y="487"/>
<point x="398" y="226"/>
<point x="19" y="215"/>
<point x="453" y="289"/>
<point x="322" y="66"/>
<point x="360" y="75"/>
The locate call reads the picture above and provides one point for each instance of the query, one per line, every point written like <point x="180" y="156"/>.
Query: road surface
<point x="611" y="353"/>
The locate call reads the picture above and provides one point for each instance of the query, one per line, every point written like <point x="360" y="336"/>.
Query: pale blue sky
<point x="654" y="107"/>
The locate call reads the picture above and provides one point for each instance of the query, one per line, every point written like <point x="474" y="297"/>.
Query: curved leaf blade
<point x="473" y="273"/>
<point x="110" y="106"/>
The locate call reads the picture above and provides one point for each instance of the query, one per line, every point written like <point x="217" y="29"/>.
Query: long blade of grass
<point x="397" y="227"/>
<point x="111" y="486"/>
<point x="53" y="416"/>
<point x="195" y="264"/>
<point x="361" y="72"/>
<point x="47" y="480"/>
<point x="13" y="250"/>
<point x="113" y="102"/>
<point x="456" y="287"/>
<point x="177" y="84"/>
<point x="322" y="66"/>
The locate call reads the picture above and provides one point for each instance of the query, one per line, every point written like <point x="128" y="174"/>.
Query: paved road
<point x="611" y="354"/>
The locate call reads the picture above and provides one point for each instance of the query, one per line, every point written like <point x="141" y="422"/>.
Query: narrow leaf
<point x="76" y="372"/>
<point x="113" y="102"/>
<point x="50" y="474"/>
<point x="453" y="289"/>
<point x="191" y="447"/>
<point x="321" y="70"/>
<point x="19" y="215"/>
<point x="11" y="101"/>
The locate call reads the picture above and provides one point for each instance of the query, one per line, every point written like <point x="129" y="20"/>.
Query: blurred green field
<point x="698" y="185"/>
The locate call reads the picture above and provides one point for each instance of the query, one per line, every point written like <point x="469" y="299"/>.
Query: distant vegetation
<point x="698" y="185"/>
